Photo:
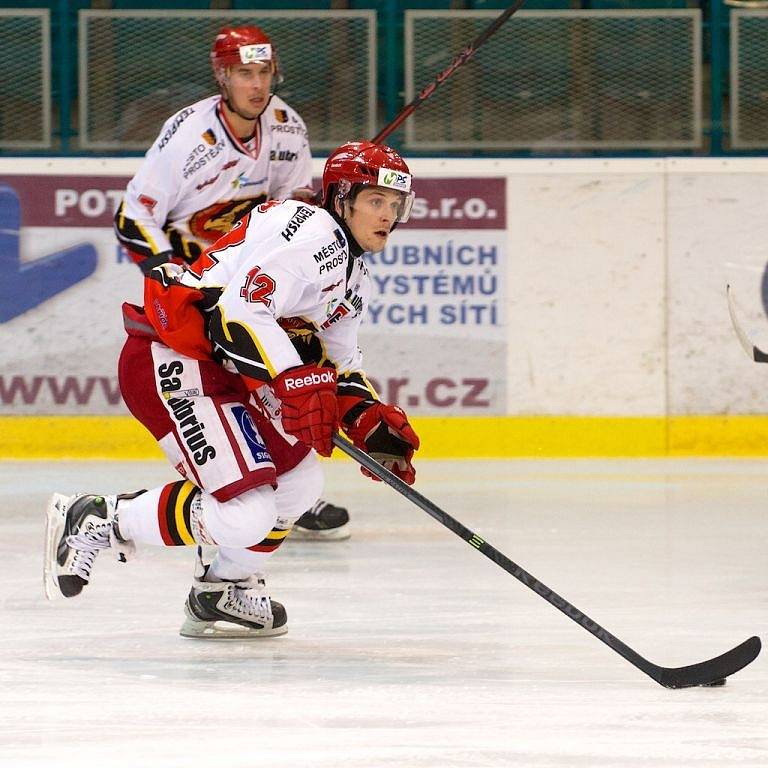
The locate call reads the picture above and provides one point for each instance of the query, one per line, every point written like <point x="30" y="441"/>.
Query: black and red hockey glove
<point x="383" y="432"/>
<point x="310" y="411"/>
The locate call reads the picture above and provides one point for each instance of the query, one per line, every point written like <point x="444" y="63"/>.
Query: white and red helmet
<point x="365" y="163"/>
<point x="242" y="45"/>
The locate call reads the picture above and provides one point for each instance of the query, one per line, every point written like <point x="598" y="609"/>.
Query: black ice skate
<point x="77" y="528"/>
<point x="231" y="610"/>
<point x="323" y="522"/>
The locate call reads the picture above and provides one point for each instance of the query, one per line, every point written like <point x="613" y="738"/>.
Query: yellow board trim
<point x="123" y="438"/>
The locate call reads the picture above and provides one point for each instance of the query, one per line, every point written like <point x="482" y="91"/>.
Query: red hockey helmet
<point x="242" y="45"/>
<point x="366" y="163"/>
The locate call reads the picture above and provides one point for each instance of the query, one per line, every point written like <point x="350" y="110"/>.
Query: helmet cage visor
<point x="388" y="179"/>
<point x="348" y="190"/>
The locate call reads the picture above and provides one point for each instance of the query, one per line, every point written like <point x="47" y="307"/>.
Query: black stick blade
<point x="754" y="352"/>
<point x="710" y="671"/>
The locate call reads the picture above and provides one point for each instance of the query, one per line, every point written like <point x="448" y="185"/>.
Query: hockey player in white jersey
<point x="212" y="163"/>
<point x="239" y="366"/>
<point x="215" y="160"/>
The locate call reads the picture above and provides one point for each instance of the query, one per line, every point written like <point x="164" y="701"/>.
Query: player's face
<point x="249" y="86"/>
<point x="372" y="215"/>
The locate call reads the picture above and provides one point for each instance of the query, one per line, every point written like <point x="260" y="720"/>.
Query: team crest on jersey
<point x="217" y="219"/>
<point x="209" y="137"/>
<point x="281" y="116"/>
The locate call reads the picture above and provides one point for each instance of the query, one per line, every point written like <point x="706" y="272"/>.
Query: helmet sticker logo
<point x="394" y="179"/>
<point x="257" y="52"/>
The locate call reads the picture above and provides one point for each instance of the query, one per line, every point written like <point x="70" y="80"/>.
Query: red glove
<point x="310" y="410"/>
<point x="383" y="432"/>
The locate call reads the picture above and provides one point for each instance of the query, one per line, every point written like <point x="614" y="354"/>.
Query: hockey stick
<point x="461" y="58"/>
<point x="711" y="672"/>
<point x="754" y="352"/>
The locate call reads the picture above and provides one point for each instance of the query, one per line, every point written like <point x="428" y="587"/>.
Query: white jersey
<point x="285" y="287"/>
<point x="199" y="178"/>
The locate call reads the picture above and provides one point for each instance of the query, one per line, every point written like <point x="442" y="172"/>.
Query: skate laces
<point x="250" y="599"/>
<point x="85" y="545"/>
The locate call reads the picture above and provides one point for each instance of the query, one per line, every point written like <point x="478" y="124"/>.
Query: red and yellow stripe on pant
<point x="173" y="513"/>
<point x="272" y="541"/>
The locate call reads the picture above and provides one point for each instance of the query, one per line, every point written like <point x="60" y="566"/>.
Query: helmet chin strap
<point x="355" y="248"/>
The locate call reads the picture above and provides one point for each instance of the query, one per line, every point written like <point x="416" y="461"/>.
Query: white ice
<point x="407" y="647"/>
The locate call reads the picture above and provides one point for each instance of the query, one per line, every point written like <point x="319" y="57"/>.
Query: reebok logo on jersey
<point x="312" y="379"/>
<point x="302" y="214"/>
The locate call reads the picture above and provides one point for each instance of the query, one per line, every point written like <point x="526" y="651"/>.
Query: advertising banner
<point x="62" y="283"/>
<point x="526" y="288"/>
<point x="434" y="339"/>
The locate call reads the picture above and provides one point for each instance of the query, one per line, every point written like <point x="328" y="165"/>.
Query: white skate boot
<point x="231" y="610"/>
<point x="77" y="528"/>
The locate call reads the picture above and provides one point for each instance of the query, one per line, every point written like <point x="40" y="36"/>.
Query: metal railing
<point x="25" y="85"/>
<point x="558" y="81"/>
<point x="136" y="68"/>
<point x="749" y="79"/>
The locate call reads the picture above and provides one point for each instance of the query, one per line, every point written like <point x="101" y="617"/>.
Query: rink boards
<point x="531" y="308"/>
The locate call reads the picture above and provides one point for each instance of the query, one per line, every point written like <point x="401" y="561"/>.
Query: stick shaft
<point x="497" y="557"/>
<point x="461" y="58"/>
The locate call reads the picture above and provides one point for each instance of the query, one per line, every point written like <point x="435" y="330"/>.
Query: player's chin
<point x="378" y="240"/>
<point x="253" y="108"/>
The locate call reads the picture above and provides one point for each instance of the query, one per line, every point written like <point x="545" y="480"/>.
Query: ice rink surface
<point x="407" y="647"/>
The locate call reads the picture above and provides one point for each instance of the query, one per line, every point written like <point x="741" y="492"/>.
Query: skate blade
<point x="342" y="533"/>
<point x="225" y="630"/>
<point x="55" y="517"/>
